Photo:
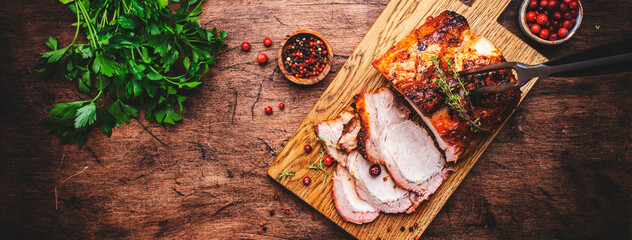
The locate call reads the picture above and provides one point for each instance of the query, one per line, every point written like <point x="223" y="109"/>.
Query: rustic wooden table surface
<point x="561" y="167"/>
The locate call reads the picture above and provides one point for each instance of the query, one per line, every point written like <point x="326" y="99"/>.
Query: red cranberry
<point x="553" y="37"/>
<point x="375" y="170"/>
<point x="533" y="4"/>
<point x="544" y="33"/>
<point x="556" y="24"/>
<point x="268" y="110"/>
<point x="557" y="15"/>
<point x="562" y="32"/>
<point x="328" y="161"/>
<point x="567" y="1"/>
<point x="574" y="13"/>
<point x="281" y="106"/>
<point x="307" y="180"/>
<point x="552" y="5"/>
<point x="573" y="5"/>
<point x="567" y="24"/>
<point x="429" y="18"/>
<point x="563" y="7"/>
<point x="535" y="28"/>
<point x="267" y="42"/>
<point x="245" y="46"/>
<point x="307" y="148"/>
<point x="567" y="15"/>
<point x="530" y="16"/>
<point x="544" y="3"/>
<point x="262" y="58"/>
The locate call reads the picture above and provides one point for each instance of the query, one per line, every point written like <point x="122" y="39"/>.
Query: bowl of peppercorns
<point x="305" y="57"/>
<point x="550" y="22"/>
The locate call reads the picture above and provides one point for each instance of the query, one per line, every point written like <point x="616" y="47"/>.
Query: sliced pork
<point x="388" y="137"/>
<point x="329" y="132"/>
<point x="380" y="191"/>
<point x="348" y="140"/>
<point x="348" y="204"/>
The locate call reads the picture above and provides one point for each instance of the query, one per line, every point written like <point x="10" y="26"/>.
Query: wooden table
<point x="561" y="167"/>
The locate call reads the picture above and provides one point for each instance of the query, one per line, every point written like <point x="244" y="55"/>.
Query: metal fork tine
<point x="489" y="68"/>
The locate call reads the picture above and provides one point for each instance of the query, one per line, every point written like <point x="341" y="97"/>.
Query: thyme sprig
<point x="454" y="97"/>
<point x="285" y="174"/>
<point x="320" y="167"/>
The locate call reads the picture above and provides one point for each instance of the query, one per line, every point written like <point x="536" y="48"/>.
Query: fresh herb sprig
<point x="285" y="174"/>
<point x="454" y="97"/>
<point x="319" y="166"/>
<point x="139" y="55"/>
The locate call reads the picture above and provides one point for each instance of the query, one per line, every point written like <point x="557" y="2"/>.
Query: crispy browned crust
<point x="360" y="107"/>
<point x="403" y="66"/>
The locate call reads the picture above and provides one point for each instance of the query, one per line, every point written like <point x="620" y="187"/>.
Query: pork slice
<point x="349" y="139"/>
<point x="380" y="191"/>
<point x="377" y="111"/>
<point x="329" y="132"/>
<point x="412" y="158"/>
<point x="348" y="204"/>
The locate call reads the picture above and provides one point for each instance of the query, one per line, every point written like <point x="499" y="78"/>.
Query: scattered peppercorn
<point x="416" y="225"/>
<point x="287" y="212"/>
<point x="307" y="148"/>
<point x="375" y="170"/>
<point x="416" y="238"/>
<point x="281" y="106"/>
<point x="306" y="56"/>
<point x="268" y="110"/>
<point x="429" y="18"/>
<point x="267" y="42"/>
<point x="402" y="229"/>
<point x="313" y="217"/>
<point x="262" y="58"/>
<point x="245" y="46"/>
<point x="271" y="213"/>
<point x="327" y="160"/>
<point x="307" y="180"/>
<point x="276" y="197"/>
<point x="411" y="229"/>
<point x="265" y="229"/>
<point x="259" y="232"/>
<point x="388" y="229"/>
<point x="261" y="224"/>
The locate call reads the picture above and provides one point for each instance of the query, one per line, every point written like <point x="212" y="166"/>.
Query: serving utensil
<point x="610" y="58"/>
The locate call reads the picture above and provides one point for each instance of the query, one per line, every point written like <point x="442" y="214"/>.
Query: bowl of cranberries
<point x="550" y="22"/>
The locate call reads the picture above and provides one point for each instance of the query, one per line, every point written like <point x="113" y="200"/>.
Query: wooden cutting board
<point x="398" y="19"/>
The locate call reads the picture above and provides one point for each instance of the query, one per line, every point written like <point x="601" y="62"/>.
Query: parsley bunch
<point x="139" y="55"/>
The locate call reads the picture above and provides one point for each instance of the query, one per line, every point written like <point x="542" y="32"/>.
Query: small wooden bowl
<point x="522" y="20"/>
<point x="309" y="80"/>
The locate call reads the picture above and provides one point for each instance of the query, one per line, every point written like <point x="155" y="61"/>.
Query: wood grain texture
<point x="559" y="169"/>
<point x="399" y="19"/>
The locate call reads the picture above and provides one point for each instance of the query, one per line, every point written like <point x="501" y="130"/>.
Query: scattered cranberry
<point x="375" y="170"/>
<point x="267" y="42"/>
<point x="262" y="58"/>
<point x="544" y="33"/>
<point x="535" y="28"/>
<point x="542" y="19"/>
<point x="268" y="110"/>
<point x="307" y="148"/>
<point x="245" y="46"/>
<point x="429" y="18"/>
<point x="531" y="16"/>
<point x="415" y="238"/>
<point x="281" y="106"/>
<point x="307" y="180"/>
<point x="327" y="160"/>
<point x="562" y="32"/>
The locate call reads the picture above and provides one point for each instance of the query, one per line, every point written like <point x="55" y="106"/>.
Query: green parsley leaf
<point x="86" y="115"/>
